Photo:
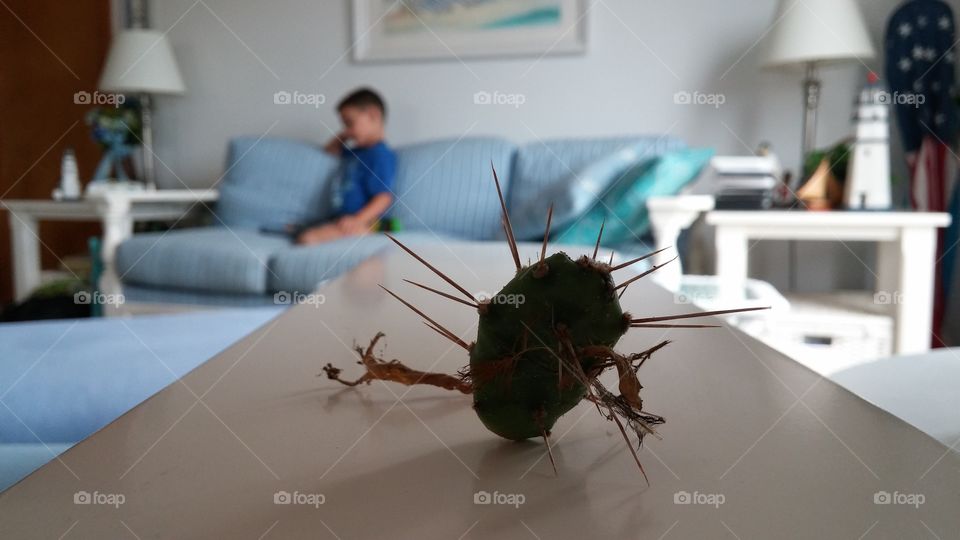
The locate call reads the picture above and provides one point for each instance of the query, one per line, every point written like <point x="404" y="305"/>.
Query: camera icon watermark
<point x="913" y="99"/>
<point x="514" y="299"/>
<point x="499" y="98"/>
<point x="691" y="297"/>
<point x="98" y="298"/>
<point x="98" y="98"/>
<point x="286" y="298"/>
<point x="506" y="499"/>
<point x="298" y="498"/>
<point x="697" y="498"/>
<point x="684" y="97"/>
<point x="96" y="498"/>
<point x="296" y="97"/>
<point x="904" y="499"/>
<point x="886" y="298"/>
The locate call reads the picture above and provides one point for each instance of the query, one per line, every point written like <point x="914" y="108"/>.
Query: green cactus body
<point x="521" y="387"/>
<point x="542" y="344"/>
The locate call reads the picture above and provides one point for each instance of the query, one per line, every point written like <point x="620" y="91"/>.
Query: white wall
<point x="236" y="53"/>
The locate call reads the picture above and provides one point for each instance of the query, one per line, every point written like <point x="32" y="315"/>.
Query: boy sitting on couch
<point x="364" y="193"/>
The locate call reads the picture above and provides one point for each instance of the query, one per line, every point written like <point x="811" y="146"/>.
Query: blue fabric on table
<point x="17" y="460"/>
<point x="447" y="187"/>
<point x="272" y="182"/>
<point x="623" y="208"/>
<point x="63" y="380"/>
<point x="213" y="259"/>
<point x="572" y="174"/>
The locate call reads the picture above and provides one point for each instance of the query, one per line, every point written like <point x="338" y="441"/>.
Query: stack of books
<point x="745" y="183"/>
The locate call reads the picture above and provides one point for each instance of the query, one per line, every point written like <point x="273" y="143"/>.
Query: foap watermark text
<point x="499" y="98"/>
<point x="684" y="97"/>
<point x="297" y="97"/>
<point x="506" y="499"/>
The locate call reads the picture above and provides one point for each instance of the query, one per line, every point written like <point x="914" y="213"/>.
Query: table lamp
<point x="141" y="61"/>
<point x="808" y="34"/>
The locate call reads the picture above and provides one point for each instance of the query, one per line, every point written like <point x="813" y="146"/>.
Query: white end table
<point x="669" y="216"/>
<point x="116" y="211"/>
<point x="907" y="254"/>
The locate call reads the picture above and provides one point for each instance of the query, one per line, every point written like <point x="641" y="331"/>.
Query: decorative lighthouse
<point x="868" y="179"/>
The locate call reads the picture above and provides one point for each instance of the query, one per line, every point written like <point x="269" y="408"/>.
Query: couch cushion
<point x="554" y="169"/>
<point x="623" y="208"/>
<point x="298" y="270"/>
<point x="216" y="259"/>
<point x="271" y="182"/>
<point x="447" y="187"/>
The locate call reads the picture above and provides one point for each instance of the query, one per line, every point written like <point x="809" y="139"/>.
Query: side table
<point x="907" y="255"/>
<point x="117" y="212"/>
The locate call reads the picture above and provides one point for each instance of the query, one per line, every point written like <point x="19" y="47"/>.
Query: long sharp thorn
<point x="546" y="441"/>
<point x="611" y="259"/>
<point x="506" y="219"/>
<point x="638" y="259"/>
<point x="623" y="291"/>
<point x="645" y="274"/>
<point x="431" y="267"/>
<point x="694" y="315"/>
<point x="599" y="236"/>
<point x="630" y="446"/>
<point x="674" y="326"/>
<point x="546" y="234"/>
<point x="437" y="330"/>
<point x="506" y="232"/>
<point x="439" y="326"/>
<point x="443" y="294"/>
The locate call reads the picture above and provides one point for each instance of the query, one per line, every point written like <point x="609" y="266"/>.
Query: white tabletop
<point x="838" y="218"/>
<point x="160" y="196"/>
<point x="781" y="452"/>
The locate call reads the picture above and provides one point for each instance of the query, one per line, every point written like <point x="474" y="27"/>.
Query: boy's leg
<point x="319" y="234"/>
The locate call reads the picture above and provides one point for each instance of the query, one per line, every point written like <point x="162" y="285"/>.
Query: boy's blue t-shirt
<point x="367" y="172"/>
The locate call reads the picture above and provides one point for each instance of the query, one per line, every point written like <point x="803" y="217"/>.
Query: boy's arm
<point x="379" y="181"/>
<point x="363" y="220"/>
<point x="377" y="206"/>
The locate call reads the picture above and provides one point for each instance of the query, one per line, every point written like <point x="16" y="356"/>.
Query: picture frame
<point x="398" y="30"/>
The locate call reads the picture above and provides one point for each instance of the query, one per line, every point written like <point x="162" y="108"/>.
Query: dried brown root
<point x="394" y="371"/>
<point x="627" y="404"/>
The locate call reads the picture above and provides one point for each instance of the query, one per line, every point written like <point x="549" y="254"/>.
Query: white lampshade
<point x="821" y="31"/>
<point x="141" y="60"/>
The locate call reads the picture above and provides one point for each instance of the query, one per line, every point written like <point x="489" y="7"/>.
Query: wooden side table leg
<point x="913" y="298"/>
<point x="731" y="246"/>
<point x="25" y="242"/>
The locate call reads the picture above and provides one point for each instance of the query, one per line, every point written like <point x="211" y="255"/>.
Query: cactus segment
<point x="542" y="343"/>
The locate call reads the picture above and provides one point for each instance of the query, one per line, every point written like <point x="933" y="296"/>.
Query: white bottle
<point x="69" y="177"/>
<point x="868" y="178"/>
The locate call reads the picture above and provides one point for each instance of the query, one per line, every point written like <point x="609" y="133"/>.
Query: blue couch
<point x="443" y="191"/>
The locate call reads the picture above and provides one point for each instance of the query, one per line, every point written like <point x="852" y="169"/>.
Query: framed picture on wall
<point x="436" y="29"/>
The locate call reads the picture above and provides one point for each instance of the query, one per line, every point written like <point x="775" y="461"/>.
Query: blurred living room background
<point x="809" y="198"/>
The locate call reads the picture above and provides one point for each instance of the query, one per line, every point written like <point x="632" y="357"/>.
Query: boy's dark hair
<point x="361" y="98"/>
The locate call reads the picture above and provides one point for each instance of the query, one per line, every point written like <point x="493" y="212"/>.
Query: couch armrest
<point x="669" y="216"/>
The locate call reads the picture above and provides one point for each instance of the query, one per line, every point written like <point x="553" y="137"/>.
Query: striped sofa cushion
<point x="271" y="182"/>
<point x="545" y="167"/>
<point x="214" y="259"/>
<point x="447" y="187"/>
<point x="298" y="270"/>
